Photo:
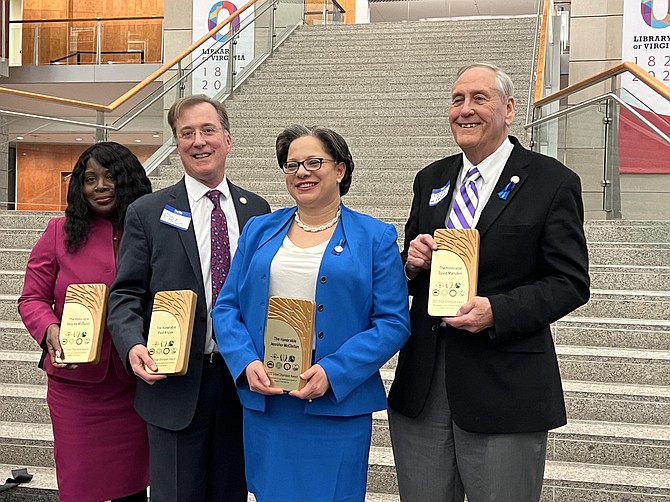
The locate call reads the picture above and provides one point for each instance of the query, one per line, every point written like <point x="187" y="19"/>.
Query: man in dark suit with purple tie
<point x="475" y="394"/>
<point x="194" y="420"/>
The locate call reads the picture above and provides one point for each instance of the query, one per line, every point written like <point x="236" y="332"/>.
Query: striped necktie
<point x="465" y="202"/>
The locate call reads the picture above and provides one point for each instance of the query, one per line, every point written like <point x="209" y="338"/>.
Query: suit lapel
<point x="244" y="212"/>
<point x="180" y="201"/>
<point x="447" y="175"/>
<point x="515" y="166"/>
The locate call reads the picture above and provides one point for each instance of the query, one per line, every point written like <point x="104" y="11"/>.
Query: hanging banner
<point x="210" y="77"/>
<point x="646" y="42"/>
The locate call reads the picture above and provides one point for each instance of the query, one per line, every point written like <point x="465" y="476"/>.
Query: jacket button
<point x="321" y="335"/>
<point x="321" y="308"/>
<point x="433" y="328"/>
<point x="198" y="355"/>
<point x="203" y="318"/>
<point x="323" y="279"/>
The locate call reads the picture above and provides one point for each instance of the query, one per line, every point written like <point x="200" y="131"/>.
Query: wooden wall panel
<point x="39" y="172"/>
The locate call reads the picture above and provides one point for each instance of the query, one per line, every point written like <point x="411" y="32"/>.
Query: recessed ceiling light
<point x="78" y="139"/>
<point x="138" y="141"/>
<point x="156" y="135"/>
<point x="19" y="137"/>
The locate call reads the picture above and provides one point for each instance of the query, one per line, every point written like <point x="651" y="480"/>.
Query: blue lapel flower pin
<point x="504" y="193"/>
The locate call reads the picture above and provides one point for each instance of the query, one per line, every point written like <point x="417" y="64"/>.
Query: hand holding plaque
<point x="170" y="331"/>
<point x="83" y="323"/>
<point x="288" y="341"/>
<point x="453" y="271"/>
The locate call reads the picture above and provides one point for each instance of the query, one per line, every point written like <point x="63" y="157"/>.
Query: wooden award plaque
<point x="288" y="341"/>
<point x="453" y="271"/>
<point x="83" y="323"/>
<point x="170" y="331"/>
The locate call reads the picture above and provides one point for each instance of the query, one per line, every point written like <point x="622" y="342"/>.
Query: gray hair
<point x="333" y="143"/>
<point x="505" y="85"/>
<point x="187" y="102"/>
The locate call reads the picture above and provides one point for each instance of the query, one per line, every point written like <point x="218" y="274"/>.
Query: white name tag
<point x="176" y="218"/>
<point x="438" y="194"/>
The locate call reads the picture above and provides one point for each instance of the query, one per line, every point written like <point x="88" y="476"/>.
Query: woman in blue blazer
<point x="312" y="444"/>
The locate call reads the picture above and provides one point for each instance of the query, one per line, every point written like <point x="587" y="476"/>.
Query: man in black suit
<point x="194" y="420"/>
<point x="475" y="394"/>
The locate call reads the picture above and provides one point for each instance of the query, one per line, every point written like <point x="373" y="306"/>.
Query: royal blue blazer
<point x="362" y="316"/>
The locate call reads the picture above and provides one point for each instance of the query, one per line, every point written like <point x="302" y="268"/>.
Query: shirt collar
<point x="488" y="167"/>
<point x="197" y="190"/>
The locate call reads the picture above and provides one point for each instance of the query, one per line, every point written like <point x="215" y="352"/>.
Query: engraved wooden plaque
<point x="83" y="323"/>
<point x="170" y="331"/>
<point x="288" y="341"/>
<point x="453" y="271"/>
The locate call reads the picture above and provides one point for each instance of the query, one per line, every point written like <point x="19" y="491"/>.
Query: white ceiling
<point x="414" y="10"/>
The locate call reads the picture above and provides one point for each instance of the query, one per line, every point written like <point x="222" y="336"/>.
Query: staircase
<point x="385" y="88"/>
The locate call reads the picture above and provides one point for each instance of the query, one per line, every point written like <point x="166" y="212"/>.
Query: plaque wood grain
<point x="298" y="314"/>
<point x="455" y="261"/>
<point x="171" y="330"/>
<point x="83" y="323"/>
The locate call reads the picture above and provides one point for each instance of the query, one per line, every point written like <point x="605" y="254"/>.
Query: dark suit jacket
<point x="157" y="257"/>
<point x="534" y="270"/>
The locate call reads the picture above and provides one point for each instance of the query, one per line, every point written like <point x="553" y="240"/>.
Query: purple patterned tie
<point x="220" y="245"/>
<point x="465" y="202"/>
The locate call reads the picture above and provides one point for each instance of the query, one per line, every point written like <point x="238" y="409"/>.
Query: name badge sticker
<point x="176" y="218"/>
<point x="438" y="194"/>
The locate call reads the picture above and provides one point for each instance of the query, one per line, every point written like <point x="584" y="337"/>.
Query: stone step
<point x="11" y="220"/>
<point x="14" y="336"/>
<point x="564" y="481"/>
<point x="20" y="367"/>
<point x="623" y="232"/>
<point x="26" y="444"/>
<point x="623" y="333"/>
<point x="23" y="403"/>
<point x="14" y="259"/>
<point x="626" y="304"/>
<point x="398" y="62"/>
<point x="365" y="43"/>
<point x="628" y="277"/>
<point x="42" y="488"/>
<point x="246" y="139"/>
<point x="593" y="442"/>
<point x="20" y="239"/>
<point x="605" y="253"/>
<point x="379" y="152"/>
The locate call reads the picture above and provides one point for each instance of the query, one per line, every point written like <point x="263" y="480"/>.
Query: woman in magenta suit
<point x="100" y="443"/>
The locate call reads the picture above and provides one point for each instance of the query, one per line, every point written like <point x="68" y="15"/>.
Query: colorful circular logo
<point x="647" y="8"/>
<point x="213" y="20"/>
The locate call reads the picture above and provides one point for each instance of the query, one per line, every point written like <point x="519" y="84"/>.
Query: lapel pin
<point x="504" y="193"/>
<point x="337" y="250"/>
<point x="243" y="200"/>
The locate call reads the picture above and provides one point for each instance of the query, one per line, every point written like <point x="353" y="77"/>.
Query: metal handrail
<point x="83" y="19"/>
<point x="589" y="102"/>
<point x="121" y="100"/>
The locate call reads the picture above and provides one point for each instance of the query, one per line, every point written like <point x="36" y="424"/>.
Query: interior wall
<point x="40" y="167"/>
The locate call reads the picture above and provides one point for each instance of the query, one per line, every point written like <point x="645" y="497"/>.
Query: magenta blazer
<point x="49" y="272"/>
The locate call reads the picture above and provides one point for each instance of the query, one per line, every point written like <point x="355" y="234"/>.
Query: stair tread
<point x="29" y="431"/>
<point x="23" y="390"/>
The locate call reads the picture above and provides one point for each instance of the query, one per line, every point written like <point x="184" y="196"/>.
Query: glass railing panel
<point x="578" y="140"/>
<point x="642" y="154"/>
<point x="76" y="42"/>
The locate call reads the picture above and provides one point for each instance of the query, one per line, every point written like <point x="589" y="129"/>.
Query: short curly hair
<point x="333" y="143"/>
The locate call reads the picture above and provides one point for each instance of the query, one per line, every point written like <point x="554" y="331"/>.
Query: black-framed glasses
<point x="292" y="166"/>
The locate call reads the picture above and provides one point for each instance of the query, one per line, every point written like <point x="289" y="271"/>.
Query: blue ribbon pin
<point x="504" y="193"/>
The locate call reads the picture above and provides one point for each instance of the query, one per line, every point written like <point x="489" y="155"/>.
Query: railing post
<point x="325" y="12"/>
<point x="230" y="70"/>
<point x="181" y="88"/>
<point x="611" y="180"/>
<point x="100" y="132"/>
<point x="273" y="28"/>
<point x="36" y="45"/>
<point x="98" y="42"/>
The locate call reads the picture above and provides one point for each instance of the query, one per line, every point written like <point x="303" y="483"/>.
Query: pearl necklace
<point x="321" y="228"/>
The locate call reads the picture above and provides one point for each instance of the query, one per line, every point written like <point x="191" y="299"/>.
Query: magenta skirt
<point x="100" y="443"/>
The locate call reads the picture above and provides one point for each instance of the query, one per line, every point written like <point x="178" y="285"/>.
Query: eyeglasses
<point x="314" y="164"/>
<point x="205" y="132"/>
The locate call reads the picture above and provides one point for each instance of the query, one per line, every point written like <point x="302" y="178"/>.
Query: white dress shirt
<point x="490" y="169"/>
<point x="201" y="213"/>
